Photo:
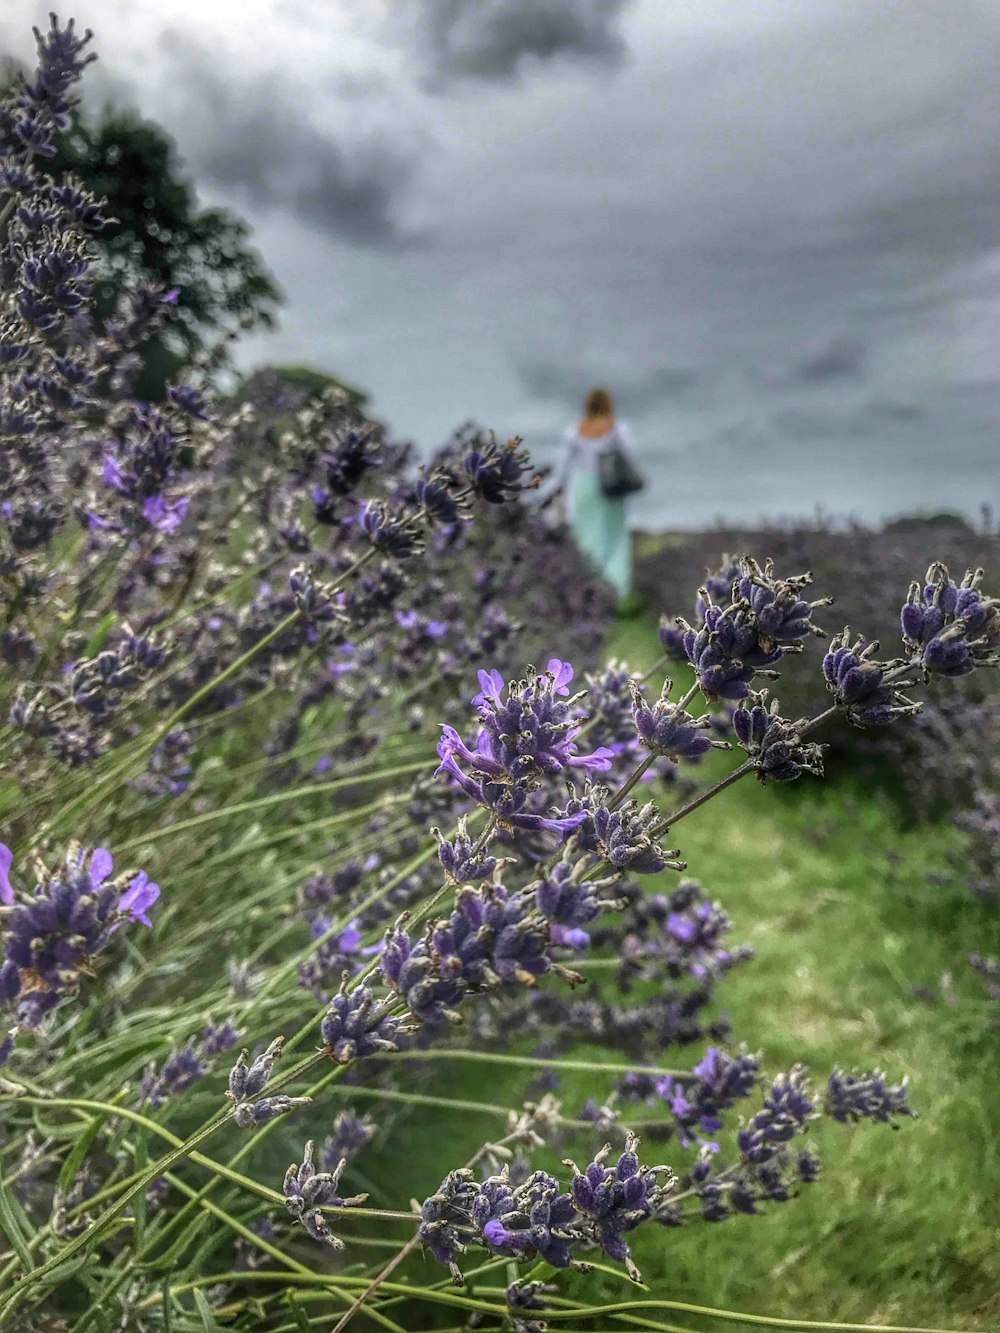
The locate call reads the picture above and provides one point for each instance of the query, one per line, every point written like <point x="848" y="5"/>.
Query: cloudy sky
<point x="771" y="228"/>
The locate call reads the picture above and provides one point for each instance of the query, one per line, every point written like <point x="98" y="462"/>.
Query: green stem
<point x="533" y="1062"/>
<point x="697" y="801"/>
<point x="276" y="798"/>
<point x="97" y="1229"/>
<point x="627" y="786"/>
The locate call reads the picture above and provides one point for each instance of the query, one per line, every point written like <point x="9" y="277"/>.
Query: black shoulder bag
<point x="617" y="473"/>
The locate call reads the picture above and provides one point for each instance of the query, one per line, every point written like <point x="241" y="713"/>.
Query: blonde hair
<point x="598" y="404"/>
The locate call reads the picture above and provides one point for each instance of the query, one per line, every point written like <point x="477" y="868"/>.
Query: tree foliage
<point x="161" y="234"/>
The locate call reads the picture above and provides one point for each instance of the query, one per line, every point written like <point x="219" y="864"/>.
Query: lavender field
<point x="393" y="936"/>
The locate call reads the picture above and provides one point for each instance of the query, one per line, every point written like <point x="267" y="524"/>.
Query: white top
<point x="580" y="453"/>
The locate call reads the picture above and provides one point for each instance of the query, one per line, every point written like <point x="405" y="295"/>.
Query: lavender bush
<point x="282" y="673"/>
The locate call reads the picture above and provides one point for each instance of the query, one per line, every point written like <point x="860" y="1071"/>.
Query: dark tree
<point x="162" y="235"/>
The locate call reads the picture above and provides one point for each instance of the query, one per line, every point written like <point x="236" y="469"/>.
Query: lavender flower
<point x="187" y="1064"/>
<point x="247" y="1080"/>
<point x="513" y="803"/>
<point x="951" y="628"/>
<point x="392" y="534"/>
<point x="97" y="684"/>
<point x="43" y="106"/>
<point x="617" y="1199"/>
<point x="445" y="1220"/>
<point x="772" y="744"/>
<point x="527" y="1221"/>
<point x="461" y="861"/>
<point x="522" y="1297"/>
<point x="625" y="838"/>
<point x="681" y="932"/>
<point x="438" y="500"/>
<point x="307" y="1191"/>
<point x="786" y="1112"/>
<point x="569" y="903"/>
<point x="311" y="598"/>
<point x="356" y="1024"/>
<point x="609" y="703"/>
<point x="766" y="620"/>
<point x="6" y="889"/>
<point x="665" y="729"/>
<point x="411" y="970"/>
<point x="672" y="637"/>
<point x="854" y="1096"/>
<point x="717" y="1083"/>
<point x="496" y="471"/>
<point x="53" y="938"/>
<point x="720" y="586"/>
<point x="530" y="731"/>
<point x="350" y="1134"/>
<point x="859" y="685"/>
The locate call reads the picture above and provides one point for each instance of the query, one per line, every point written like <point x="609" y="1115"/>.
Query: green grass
<point x="834" y="897"/>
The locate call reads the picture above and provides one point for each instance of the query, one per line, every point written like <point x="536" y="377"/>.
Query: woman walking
<point x="597" y="471"/>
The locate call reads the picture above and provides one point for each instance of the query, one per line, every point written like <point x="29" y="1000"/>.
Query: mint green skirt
<point x="599" y="527"/>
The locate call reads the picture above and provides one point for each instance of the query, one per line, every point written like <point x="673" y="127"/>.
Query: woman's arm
<point x="567" y="457"/>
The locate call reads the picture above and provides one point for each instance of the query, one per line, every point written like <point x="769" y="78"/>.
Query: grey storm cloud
<point x="840" y="359"/>
<point x="255" y="140"/>
<point x="564" y="382"/>
<point x="492" y="39"/>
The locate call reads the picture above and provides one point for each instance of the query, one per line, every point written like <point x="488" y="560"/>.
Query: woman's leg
<point x="617" y="564"/>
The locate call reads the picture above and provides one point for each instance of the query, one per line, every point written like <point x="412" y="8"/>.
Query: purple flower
<point x="569" y="904"/>
<point x="765" y="620"/>
<point x="350" y="1134"/>
<point x="393" y="534"/>
<point x="513" y="803"/>
<point x="718" y="1082"/>
<point x="772" y="744"/>
<point x="412" y="971"/>
<point x="112" y="474"/>
<point x="531" y="731"/>
<point x="617" y="1199"/>
<point x="187" y="1064"/>
<point x="53" y="937"/>
<point x="858" y="684"/>
<point x="951" y="628"/>
<point x="356" y="1024"/>
<point x="665" y="729"/>
<point x="138" y="898"/>
<point x="307" y="1191"/>
<point x="625" y="837"/>
<point x="445" y="1219"/>
<point x="6" y="861"/>
<point x="461" y="861"/>
<point x="164" y="516"/>
<point x="786" y="1112"/>
<point x="496" y="471"/>
<point x="854" y="1096"/>
<point x="246" y="1081"/>
<point x="721" y="586"/>
<point x="311" y="597"/>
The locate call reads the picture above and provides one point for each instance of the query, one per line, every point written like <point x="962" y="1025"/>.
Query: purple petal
<point x="562" y="673"/>
<point x="101" y="866"/>
<point x="111" y="473"/>
<point x="140" y="895"/>
<point x="6" y="861"/>
<point x="491" y="686"/>
<point x="598" y="762"/>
